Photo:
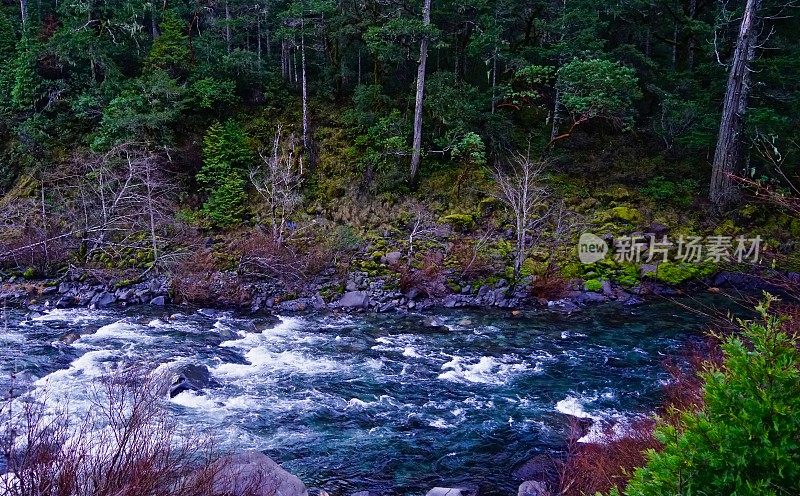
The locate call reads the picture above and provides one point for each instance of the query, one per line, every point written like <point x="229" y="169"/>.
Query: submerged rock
<point x="69" y="337"/>
<point x="190" y="377"/>
<point x="253" y="473"/>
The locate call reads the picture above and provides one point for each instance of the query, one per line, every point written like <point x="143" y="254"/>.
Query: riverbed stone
<point x="69" y="337"/>
<point x="189" y="377"/>
<point x="354" y="299"/>
<point x="159" y="301"/>
<point x="533" y="488"/>
<point x="453" y="491"/>
<point x="253" y="473"/>
<point x="393" y="257"/>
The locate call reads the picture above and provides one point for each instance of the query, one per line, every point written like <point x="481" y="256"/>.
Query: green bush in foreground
<point x="746" y="438"/>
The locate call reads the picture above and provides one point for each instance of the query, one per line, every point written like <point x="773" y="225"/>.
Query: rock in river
<point x="190" y="377"/>
<point x="253" y="474"/>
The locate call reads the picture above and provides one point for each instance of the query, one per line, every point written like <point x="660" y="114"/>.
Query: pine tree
<point x="226" y="155"/>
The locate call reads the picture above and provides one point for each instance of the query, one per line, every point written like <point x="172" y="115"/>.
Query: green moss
<point x="593" y="285"/>
<point x="677" y="273"/>
<point x="29" y="273"/>
<point x="461" y="222"/>
<point x="624" y="214"/>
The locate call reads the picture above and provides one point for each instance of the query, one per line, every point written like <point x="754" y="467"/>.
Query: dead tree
<point x="277" y="179"/>
<point x="423" y="59"/>
<point x="726" y="155"/>
<point x="519" y="189"/>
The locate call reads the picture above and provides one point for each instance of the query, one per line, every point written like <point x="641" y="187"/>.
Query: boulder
<point x="354" y="299"/>
<point x="589" y="298"/>
<point x="190" y="377"/>
<point x="393" y="257"/>
<point x="69" y="337"/>
<point x="159" y="301"/>
<point x="253" y="473"/>
<point x="452" y="491"/>
<point x="533" y="488"/>
<point x="104" y="299"/>
<point x="540" y="467"/>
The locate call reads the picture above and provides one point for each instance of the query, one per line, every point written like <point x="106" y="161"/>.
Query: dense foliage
<point x="744" y="438"/>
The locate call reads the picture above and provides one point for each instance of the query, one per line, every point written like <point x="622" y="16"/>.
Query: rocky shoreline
<point x="361" y="293"/>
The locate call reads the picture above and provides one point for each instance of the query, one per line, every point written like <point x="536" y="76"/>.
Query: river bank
<point x="360" y="292"/>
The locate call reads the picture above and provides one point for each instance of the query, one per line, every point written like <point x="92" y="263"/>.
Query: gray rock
<point x="65" y="302"/>
<point x="393" y="257"/>
<point x="253" y="473"/>
<point x="69" y="337"/>
<point x="104" y="299"/>
<point x="452" y="491"/>
<point x="647" y="269"/>
<point x="433" y="322"/>
<point x="64" y="287"/>
<point x="607" y="289"/>
<point x="533" y="488"/>
<point x="483" y="291"/>
<point x="540" y="467"/>
<point x="351" y="286"/>
<point x="354" y="299"/>
<point x="317" y="302"/>
<point x="362" y="493"/>
<point x="589" y="297"/>
<point x="159" y="301"/>
<point x="190" y="377"/>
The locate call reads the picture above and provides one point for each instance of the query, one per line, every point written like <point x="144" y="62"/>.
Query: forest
<point x="291" y="119"/>
<point x="399" y="156"/>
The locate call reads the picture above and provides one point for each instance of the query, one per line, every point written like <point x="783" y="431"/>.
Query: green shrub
<point x="593" y="285"/>
<point x="680" y="193"/>
<point x="226" y="155"/>
<point x="745" y="438"/>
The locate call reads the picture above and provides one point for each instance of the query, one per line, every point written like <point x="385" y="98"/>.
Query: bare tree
<point x="421" y="227"/>
<point x="726" y="155"/>
<point x="105" y="203"/>
<point x="519" y="189"/>
<point x="423" y="59"/>
<point x="277" y="179"/>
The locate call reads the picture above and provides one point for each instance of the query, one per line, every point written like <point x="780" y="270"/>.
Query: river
<point x="374" y="402"/>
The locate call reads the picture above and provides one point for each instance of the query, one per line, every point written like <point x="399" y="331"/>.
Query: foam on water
<point x="487" y="370"/>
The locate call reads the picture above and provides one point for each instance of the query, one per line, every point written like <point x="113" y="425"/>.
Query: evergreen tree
<point x="226" y="157"/>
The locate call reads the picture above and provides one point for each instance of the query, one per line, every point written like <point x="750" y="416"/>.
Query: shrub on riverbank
<point x="124" y="444"/>
<point x="731" y="424"/>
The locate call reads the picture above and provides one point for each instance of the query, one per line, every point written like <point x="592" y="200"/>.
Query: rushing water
<point x="375" y="402"/>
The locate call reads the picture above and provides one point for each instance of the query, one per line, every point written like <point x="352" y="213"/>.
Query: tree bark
<point x="306" y="144"/>
<point x="228" y="27"/>
<point x="423" y="59"/>
<point x="726" y="155"/>
<point x="23" y="10"/>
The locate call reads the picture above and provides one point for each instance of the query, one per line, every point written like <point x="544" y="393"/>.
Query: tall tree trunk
<point x="423" y="59"/>
<point x="228" y="27"/>
<point x="23" y="11"/>
<point x="494" y="80"/>
<point x="726" y="155"/>
<point x="306" y="144"/>
<point x="258" y="39"/>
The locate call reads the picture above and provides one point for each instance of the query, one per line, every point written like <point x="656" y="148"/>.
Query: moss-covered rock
<point x="461" y="222"/>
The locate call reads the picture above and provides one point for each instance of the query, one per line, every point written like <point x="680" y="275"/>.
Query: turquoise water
<point x="383" y="403"/>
